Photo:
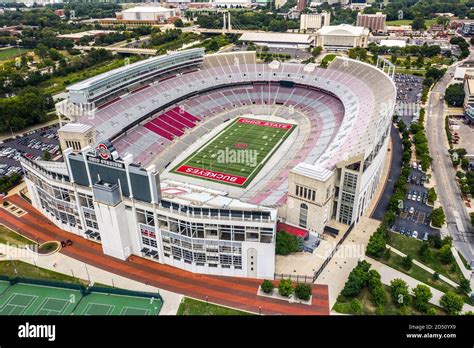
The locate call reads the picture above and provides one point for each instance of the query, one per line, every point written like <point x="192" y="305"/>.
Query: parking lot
<point x="409" y="89"/>
<point x="32" y="144"/>
<point x="463" y="133"/>
<point x="414" y="218"/>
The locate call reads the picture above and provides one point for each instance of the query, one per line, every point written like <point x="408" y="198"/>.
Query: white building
<point x="393" y="43"/>
<point x="229" y="3"/>
<point x="148" y="13"/>
<point x="280" y="40"/>
<point x="342" y="37"/>
<point x="314" y="21"/>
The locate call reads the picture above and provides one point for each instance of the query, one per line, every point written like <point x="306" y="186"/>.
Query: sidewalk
<point x="467" y="273"/>
<point x="426" y="268"/>
<point x="66" y="265"/>
<point x="388" y="274"/>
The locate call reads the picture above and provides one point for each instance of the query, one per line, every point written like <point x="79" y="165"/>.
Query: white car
<point x="425" y="237"/>
<point x="414" y="234"/>
<point x="412" y="210"/>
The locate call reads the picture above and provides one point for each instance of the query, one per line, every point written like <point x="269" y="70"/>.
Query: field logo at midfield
<point x="212" y="175"/>
<point x="239" y="155"/>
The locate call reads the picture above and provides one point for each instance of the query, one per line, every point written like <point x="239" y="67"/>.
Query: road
<point x="449" y="194"/>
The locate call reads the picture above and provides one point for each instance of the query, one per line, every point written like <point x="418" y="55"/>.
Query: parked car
<point x="412" y="210"/>
<point x="425" y="237"/>
<point x="415" y="234"/>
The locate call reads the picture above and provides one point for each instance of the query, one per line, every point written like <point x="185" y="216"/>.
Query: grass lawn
<point x="238" y="153"/>
<point x="342" y="305"/>
<point x="29" y="271"/>
<point x="410" y="246"/>
<point x="7" y="236"/>
<point x="189" y="306"/>
<point x="10" y="53"/>
<point x="328" y="58"/>
<point x="428" y="22"/>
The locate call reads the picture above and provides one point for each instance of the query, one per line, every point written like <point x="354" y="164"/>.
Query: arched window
<point x="303" y="215"/>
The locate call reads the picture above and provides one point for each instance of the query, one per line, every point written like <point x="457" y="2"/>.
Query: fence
<point x="295" y="277"/>
<point x="325" y="263"/>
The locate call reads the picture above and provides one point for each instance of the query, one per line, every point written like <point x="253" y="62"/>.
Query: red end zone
<point x="212" y="175"/>
<point x="265" y="123"/>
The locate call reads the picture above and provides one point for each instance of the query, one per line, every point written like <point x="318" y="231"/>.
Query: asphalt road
<point x="458" y="220"/>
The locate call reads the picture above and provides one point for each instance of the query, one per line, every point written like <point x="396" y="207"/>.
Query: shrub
<point x="422" y="295"/>
<point x="285" y="243"/>
<point x="267" y="286"/>
<point x="424" y="252"/>
<point x="437" y="217"/>
<point x="464" y="286"/>
<point x="357" y="280"/>
<point x="300" y="243"/>
<point x="451" y="303"/>
<point x="407" y="262"/>
<point x="435" y="276"/>
<point x="399" y="291"/>
<point x="303" y="291"/>
<point x="285" y="288"/>
<point x="445" y="254"/>
<point x="355" y="307"/>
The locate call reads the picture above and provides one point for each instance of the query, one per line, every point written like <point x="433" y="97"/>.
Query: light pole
<point x="88" y="276"/>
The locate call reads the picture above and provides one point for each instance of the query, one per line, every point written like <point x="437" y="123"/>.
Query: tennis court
<point x="30" y="299"/>
<point x="33" y="299"/>
<point x="111" y="304"/>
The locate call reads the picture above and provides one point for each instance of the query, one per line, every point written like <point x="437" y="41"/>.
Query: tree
<point x="407" y="262"/>
<point x="300" y="243"/>
<point x="285" y="288"/>
<point x="452" y="303"/>
<point x="303" y="291"/>
<point x="357" y="280"/>
<point x="445" y="254"/>
<point x="355" y="306"/>
<point x="424" y="252"/>
<point x="464" y="286"/>
<point x="418" y="23"/>
<point x="399" y="291"/>
<point x="178" y="23"/>
<point x="267" y="286"/>
<point x="377" y="292"/>
<point x="454" y="95"/>
<point x="376" y="245"/>
<point x="422" y="296"/>
<point x="437" y="217"/>
<point x="285" y="243"/>
<point x="46" y="155"/>
<point x="432" y="196"/>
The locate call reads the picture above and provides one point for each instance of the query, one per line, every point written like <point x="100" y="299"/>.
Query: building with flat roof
<point x="314" y="21"/>
<point x="373" y="22"/>
<point x="393" y="43"/>
<point x="279" y="40"/>
<point x="469" y="95"/>
<point x="467" y="28"/>
<point x="342" y="37"/>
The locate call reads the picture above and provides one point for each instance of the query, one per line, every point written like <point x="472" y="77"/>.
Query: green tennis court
<point x="111" y="304"/>
<point x="30" y="299"/>
<point x="3" y="285"/>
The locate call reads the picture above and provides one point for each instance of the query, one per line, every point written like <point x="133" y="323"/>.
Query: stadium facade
<point x="130" y="127"/>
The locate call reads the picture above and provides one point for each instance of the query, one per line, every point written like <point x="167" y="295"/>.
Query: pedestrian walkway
<point x="239" y="293"/>
<point x="423" y="266"/>
<point x="387" y="274"/>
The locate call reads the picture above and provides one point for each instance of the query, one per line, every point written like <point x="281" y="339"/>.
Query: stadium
<point x="194" y="160"/>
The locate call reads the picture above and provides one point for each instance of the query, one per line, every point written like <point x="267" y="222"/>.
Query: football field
<point x="237" y="153"/>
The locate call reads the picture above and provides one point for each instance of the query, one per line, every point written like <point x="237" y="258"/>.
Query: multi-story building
<point x="314" y="21"/>
<point x="373" y="22"/>
<point x="467" y="28"/>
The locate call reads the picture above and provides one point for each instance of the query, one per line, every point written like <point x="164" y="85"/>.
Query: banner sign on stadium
<point x="212" y="175"/>
<point x="265" y="123"/>
<point x="103" y="155"/>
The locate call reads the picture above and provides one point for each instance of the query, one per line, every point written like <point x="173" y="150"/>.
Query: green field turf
<point x="9" y="53"/>
<point x="236" y="154"/>
<point x="108" y="304"/>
